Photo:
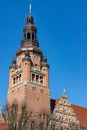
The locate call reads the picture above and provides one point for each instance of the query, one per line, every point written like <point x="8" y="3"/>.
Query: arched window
<point x="17" y="79"/>
<point x="14" y="81"/>
<point x="20" y="77"/>
<point x="28" y="35"/>
<point x="37" y="78"/>
<point x="29" y="21"/>
<point x="32" y="36"/>
<point x="41" y="79"/>
<point x="33" y="77"/>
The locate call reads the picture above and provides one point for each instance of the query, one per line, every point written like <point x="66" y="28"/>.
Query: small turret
<point x="44" y="59"/>
<point x="13" y="63"/>
<point x="44" y="62"/>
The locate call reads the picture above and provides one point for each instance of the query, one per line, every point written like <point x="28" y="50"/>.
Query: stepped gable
<point x="64" y="114"/>
<point x="81" y="112"/>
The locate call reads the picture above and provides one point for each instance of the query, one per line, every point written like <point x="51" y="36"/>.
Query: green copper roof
<point x="64" y="94"/>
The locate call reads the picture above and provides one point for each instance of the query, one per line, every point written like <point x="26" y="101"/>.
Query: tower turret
<point x="30" y="32"/>
<point x="44" y="62"/>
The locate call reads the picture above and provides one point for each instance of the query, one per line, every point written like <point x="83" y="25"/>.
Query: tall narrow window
<point x="29" y="21"/>
<point x="41" y="79"/>
<point x="20" y="77"/>
<point x="37" y="78"/>
<point x="33" y="77"/>
<point x="32" y="36"/>
<point x="14" y="81"/>
<point x="28" y="35"/>
<point x="17" y="79"/>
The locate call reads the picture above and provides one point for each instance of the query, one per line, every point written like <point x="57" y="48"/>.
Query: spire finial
<point x="64" y="90"/>
<point x="30" y="7"/>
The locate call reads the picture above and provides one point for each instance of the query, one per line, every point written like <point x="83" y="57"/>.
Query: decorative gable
<point x="64" y="114"/>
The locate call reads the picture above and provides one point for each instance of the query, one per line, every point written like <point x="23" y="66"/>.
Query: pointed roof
<point x="64" y="94"/>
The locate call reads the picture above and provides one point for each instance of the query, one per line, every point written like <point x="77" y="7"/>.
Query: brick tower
<point x="29" y="73"/>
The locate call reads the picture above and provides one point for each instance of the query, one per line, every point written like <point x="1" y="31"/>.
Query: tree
<point x="17" y="118"/>
<point x="21" y="119"/>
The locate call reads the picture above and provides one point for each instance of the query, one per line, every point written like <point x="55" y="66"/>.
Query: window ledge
<point x="34" y="82"/>
<point x="16" y="84"/>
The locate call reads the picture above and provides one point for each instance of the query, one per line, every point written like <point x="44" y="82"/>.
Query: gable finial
<point x="30" y="7"/>
<point x="64" y="94"/>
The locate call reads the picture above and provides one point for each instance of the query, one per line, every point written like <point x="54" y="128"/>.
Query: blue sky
<point x="62" y="35"/>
